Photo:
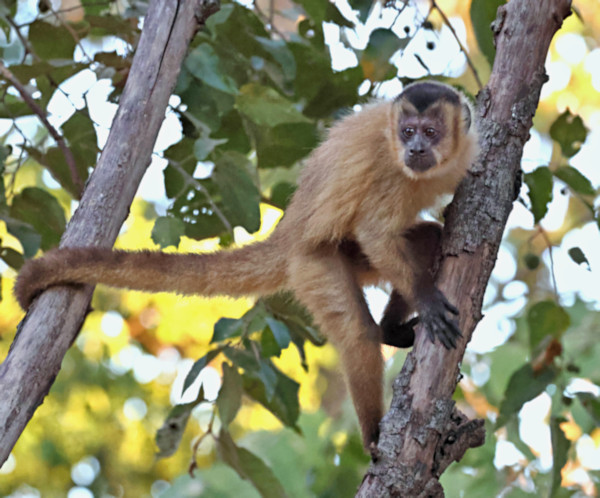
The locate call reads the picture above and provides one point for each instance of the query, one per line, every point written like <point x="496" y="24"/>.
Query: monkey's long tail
<point x="256" y="269"/>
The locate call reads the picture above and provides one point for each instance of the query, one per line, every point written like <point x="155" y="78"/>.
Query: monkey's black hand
<point x="397" y="333"/>
<point x="433" y="314"/>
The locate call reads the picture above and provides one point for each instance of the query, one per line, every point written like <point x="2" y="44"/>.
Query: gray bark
<point x="53" y="322"/>
<point x="423" y="432"/>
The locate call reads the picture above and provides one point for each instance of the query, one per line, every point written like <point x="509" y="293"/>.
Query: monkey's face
<point x="421" y="135"/>
<point x="431" y="121"/>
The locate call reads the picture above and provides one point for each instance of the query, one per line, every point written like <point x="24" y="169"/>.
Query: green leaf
<point x="284" y="144"/>
<point x="43" y="212"/>
<point x="12" y="107"/>
<point x="298" y="320"/>
<point x="283" y="403"/>
<point x="204" y="64"/>
<point x="281" y="194"/>
<point x="80" y="132"/>
<point x="336" y="91"/>
<point x="319" y="12"/>
<point x="255" y="367"/>
<point x="226" y="328"/>
<point x="204" y="145"/>
<point x="280" y="332"/>
<point x="106" y="24"/>
<point x="575" y="180"/>
<point x="29" y="238"/>
<point x="198" y="366"/>
<point x="560" y="448"/>
<point x="544" y="319"/>
<point x="540" y="191"/>
<point x="168" y="437"/>
<point x="167" y="231"/>
<point x="363" y="7"/>
<point x="206" y="105"/>
<point x="523" y="386"/>
<point x="383" y="43"/>
<point x="51" y="42"/>
<point x="591" y="404"/>
<point x="11" y="257"/>
<point x="58" y="71"/>
<point x="232" y="129"/>
<point x="182" y="154"/>
<point x="197" y="213"/>
<point x="569" y="131"/>
<point x="230" y="395"/>
<point x="310" y="61"/>
<point x="268" y="344"/>
<point x="54" y="161"/>
<point x="275" y="338"/>
<point x="249" y="467"/>
<point x="240" y="197"/>
<point x="82" y="141"/>
<point x="238" y="29"/>
<point x="265" y="107"/>
<point x="577" y="255"/>
<point x="483" y="13"/>
<point x="281" y="54"/>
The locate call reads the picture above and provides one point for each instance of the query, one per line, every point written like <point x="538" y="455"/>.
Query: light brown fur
<point x="355" y="186"/>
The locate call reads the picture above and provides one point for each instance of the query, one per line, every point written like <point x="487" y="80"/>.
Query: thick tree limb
<point x="414" y="446"/>
<point x="54" y="320"/>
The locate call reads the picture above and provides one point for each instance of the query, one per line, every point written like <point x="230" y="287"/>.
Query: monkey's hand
<point x="433" y="312"/>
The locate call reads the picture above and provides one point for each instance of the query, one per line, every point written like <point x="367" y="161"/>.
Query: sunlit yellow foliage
<point x="571" y="430"/>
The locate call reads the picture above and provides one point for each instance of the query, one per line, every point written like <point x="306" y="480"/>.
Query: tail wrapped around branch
<point x="256" y="269"/>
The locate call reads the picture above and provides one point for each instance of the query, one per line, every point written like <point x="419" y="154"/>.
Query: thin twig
<point x="60" y="141"/>
<point x="435" y="6"/>
<point x="209" y="430"/>
<point x="267" y="18"/>
<point x="20" y="36"/>
<point x="36" y="57"/>
<point x="552" y="275"/>
<point x="196" y="184"/>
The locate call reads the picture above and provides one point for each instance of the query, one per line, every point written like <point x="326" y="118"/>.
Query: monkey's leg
<point x="327" y="286"/>
<point x="397" y="331"/>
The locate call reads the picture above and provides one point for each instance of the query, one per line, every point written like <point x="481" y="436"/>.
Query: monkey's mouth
<point x="420" y="162"/>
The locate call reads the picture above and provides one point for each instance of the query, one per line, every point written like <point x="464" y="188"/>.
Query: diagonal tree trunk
<point x="423" y="432"/>
<point x="52" y="324"/>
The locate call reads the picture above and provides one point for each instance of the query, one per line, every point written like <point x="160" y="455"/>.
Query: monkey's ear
<point x="466" y="116"/>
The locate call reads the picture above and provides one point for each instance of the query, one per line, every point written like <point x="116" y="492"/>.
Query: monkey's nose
<point x="414" y="152"/>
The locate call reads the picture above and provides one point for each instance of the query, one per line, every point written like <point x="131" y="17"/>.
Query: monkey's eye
<point x="429" y="132"/>
<point x="408" y="132"/>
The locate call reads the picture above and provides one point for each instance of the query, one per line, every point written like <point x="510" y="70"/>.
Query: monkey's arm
<point x="407" y="262"/>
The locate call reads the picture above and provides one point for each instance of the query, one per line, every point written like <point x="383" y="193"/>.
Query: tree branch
<point x="55" y="318"/>
<point x="413" y="449"/>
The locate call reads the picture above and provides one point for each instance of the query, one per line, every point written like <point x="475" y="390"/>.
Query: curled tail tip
<point x="25" y="288"/>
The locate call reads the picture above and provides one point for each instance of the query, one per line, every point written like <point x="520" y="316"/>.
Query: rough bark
<point x="423" y="432"/>
<point x="53" y="322"/>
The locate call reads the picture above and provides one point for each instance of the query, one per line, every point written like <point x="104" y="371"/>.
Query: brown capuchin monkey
<point x="352" y="222"/>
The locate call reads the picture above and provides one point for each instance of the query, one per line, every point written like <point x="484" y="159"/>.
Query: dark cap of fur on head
<point x="422" y="95"/>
